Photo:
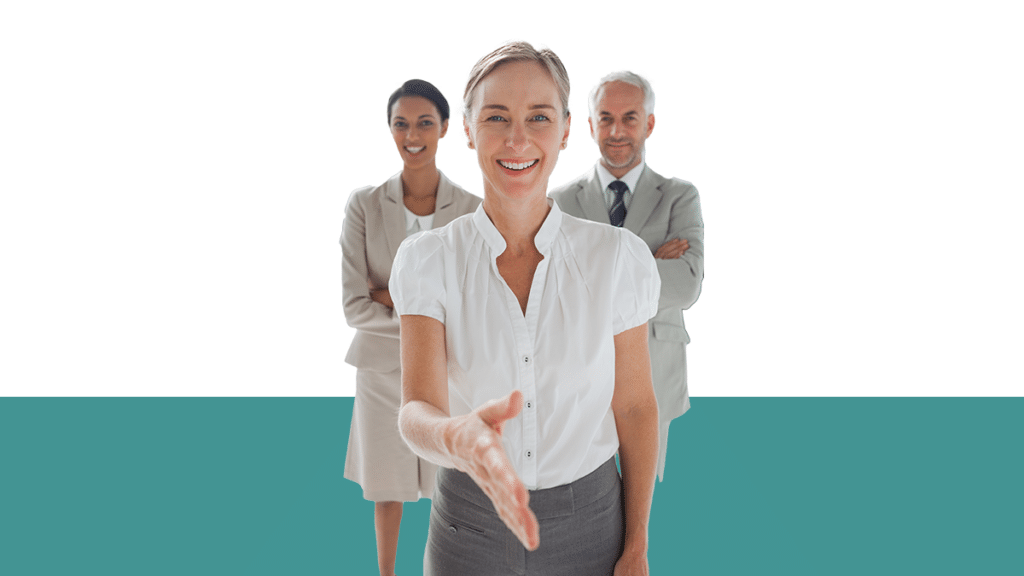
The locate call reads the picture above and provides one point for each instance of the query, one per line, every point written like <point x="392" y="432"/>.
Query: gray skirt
<point x="581" y="529"/>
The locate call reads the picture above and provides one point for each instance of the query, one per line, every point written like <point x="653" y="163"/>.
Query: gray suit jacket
<point x="374" y="227"/>
<point x="662" y="209"/>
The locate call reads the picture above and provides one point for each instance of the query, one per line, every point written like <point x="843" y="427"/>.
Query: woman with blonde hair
<point x="524" y="353"/>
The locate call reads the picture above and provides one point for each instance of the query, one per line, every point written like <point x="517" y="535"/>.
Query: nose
<point x="615" y="129"/>
<point x="517" y="137"/>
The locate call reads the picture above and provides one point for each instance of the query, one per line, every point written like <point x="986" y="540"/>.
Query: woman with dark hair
<point x="377" y="220"/>
<point x="524" y="354"/>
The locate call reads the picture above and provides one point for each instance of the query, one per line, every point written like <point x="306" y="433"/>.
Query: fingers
<point x="526" y="527"/>
<point x="494" y="474"/>
<point x="672" y="249"/>
<point x="511" y="501"/>
<point x="492" y="471"/>
<point x="529" y="529"/>
<point x="495" y="412"/>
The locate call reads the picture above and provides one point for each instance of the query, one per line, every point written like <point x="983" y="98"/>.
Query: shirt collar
<point x="543" y="240"/>
<point x="549" y="229"/>
<point x="630" y="178"/>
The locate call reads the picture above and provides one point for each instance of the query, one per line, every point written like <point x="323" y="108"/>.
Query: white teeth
<point x="517" y="166"/>
<point x="414" y="150"/>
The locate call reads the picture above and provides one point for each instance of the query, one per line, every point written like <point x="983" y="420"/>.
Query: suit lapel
<point x="591" y="199"/>
<point x="646" y="198"/>
<point x="444" y="206"/>
<point x="393" y="209"/>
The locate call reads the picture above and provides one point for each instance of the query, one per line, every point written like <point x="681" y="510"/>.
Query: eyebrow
<point x="505" y="108"/>
<point x="397" y="116"/>
<point x="631" y="112"/>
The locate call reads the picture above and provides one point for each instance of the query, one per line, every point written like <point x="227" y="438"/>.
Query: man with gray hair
<point x="622" y="190"/>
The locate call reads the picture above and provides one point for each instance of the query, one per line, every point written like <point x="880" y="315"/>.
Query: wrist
<point x="450" y="430"/>
<point x="635" y="545"/>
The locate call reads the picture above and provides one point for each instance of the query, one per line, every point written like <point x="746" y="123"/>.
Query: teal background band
<point x="253" y="486"/>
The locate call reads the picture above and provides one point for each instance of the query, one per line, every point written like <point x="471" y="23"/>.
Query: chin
<point x="625" y="163"/>
<point x="521" y="190"/>
<point x="620" y="160"/>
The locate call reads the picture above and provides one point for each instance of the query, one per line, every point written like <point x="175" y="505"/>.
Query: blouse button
<point x="526" y="359"/>
<point x="453" y="529"/>
<point x="529" y="404"/>
<point x="529" y="454"/>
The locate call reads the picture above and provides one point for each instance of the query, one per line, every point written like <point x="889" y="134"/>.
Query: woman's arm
<point x="362" y="310"/>
<point x="470" y="443"/>
<point x="382" y="296"/>
<point x="636" y="419"/>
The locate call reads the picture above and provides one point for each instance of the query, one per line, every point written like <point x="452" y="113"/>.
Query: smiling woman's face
<point x="518" y="127"/>
<point x="416" y="127"/>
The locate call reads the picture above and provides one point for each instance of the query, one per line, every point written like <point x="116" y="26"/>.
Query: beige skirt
<point x="378" y="459"/>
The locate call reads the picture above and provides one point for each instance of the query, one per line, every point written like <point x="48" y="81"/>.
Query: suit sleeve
<point x="361" y="312"/>
<point x="681" y="278"/>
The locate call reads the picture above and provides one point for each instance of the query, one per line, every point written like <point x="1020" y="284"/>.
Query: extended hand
<point x="672" y="249"/>
<point x="474" y="443"/>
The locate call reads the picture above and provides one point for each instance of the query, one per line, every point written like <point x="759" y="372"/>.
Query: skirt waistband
<point x="547" y="503"/>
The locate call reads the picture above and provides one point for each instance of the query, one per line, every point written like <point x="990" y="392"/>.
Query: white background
<point x="174" y="176"/>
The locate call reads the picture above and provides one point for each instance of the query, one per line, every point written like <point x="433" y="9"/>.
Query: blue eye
<point x="540" y="117"/>
<point x="495" y="118"/>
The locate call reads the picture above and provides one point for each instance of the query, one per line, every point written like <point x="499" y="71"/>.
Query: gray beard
<point x="631" y="160"/>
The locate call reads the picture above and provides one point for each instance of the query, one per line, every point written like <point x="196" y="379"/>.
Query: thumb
<point x="497" y="411"/>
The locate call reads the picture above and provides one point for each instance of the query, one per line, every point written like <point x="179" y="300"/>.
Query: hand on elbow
<point x="382" y="296"/>
<point x="672" y="249"/>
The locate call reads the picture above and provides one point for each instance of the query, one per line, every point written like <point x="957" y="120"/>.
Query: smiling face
<point x="517" y="128"/>
<point x="416" y="127"/>
<point x="620" y="126"/>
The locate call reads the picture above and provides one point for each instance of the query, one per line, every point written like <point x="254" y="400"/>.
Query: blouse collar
<point x="543" y="240"/>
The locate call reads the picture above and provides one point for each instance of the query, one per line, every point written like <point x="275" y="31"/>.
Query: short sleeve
<point x="638" y="285"/>
<point x="417" y="277"/>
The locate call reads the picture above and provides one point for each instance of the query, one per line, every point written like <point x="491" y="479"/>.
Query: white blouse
<point x="595" y="281"/>
<point x="411" y="221"/>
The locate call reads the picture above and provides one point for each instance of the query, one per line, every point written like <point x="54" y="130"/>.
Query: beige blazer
<point x="374" y="226"/>
<point x="662" y="209"/>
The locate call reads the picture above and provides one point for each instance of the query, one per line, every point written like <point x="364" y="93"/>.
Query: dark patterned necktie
<point x="618" y="212"/>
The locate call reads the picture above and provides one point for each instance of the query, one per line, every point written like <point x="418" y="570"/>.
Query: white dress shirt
<point x="594" y="281"/>
<point x="630" y="178"/>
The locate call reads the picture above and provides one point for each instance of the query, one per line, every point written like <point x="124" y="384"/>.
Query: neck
<point x="420" y="182"/>
<point x="517" y="220"/>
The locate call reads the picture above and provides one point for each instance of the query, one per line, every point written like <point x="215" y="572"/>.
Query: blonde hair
<point x="517" y="52"/>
